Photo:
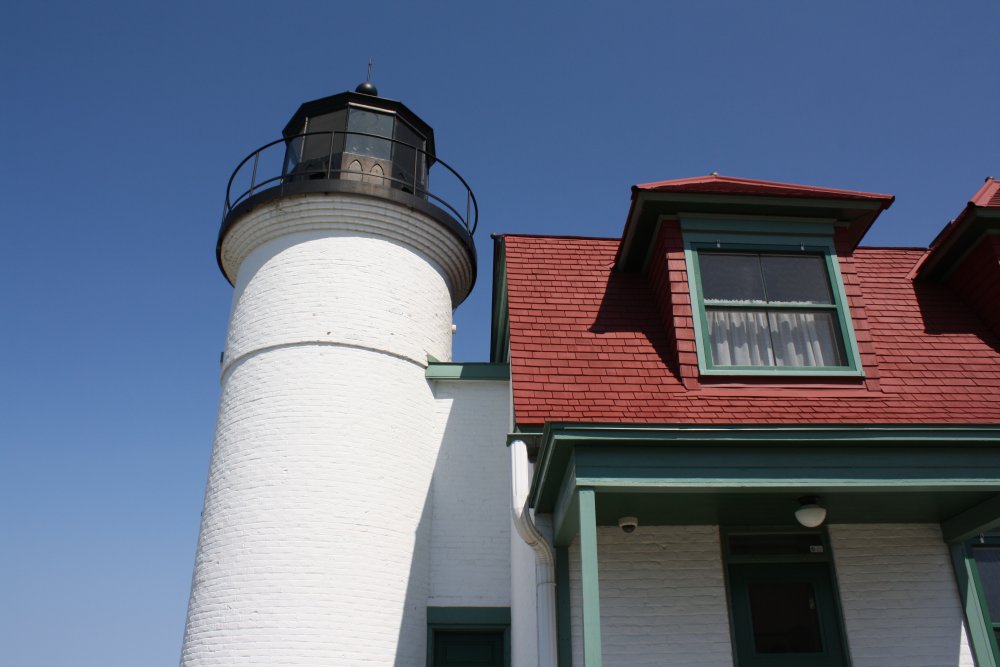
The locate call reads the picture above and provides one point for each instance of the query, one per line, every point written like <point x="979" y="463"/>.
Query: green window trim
<point x="468" y="619"/>
<point x="760" y="237"/>
<point x="982" y="628"/>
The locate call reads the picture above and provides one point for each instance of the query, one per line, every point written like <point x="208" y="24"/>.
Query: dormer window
<point x="769" y="309"/>
<point x="767" y="303"/>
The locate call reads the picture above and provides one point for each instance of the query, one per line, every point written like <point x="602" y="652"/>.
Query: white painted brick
<point x="315" y="538"/>
<point x="663" y="598"/>
<point x="470" y="535"/>
<point x="900" y="600"/>
<point x="317" y="270"/>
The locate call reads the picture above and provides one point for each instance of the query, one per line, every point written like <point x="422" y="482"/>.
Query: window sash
<point x="766" y="338"/>
<point x="845" y="362"/>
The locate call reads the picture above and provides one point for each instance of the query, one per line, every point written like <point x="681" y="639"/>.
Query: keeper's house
<point x="757" y="442"/>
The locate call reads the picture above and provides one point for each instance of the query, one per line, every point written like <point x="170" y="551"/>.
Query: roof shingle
<point x="589" y="344"/>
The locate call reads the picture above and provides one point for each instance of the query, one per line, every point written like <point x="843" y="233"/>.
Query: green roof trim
<point x="500" y="324"/>
<point x="467" y="371"/>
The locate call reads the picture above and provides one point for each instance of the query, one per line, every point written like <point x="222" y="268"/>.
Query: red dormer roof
<point x="726" y="195"/>
<point x="978" y="217"/>
<point x="714" y="183"/>
<point x="988" y="195"/>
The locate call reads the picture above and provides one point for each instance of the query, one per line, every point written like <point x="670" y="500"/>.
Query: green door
<point x="468" y="649"/>
<point x="784" y="615"/>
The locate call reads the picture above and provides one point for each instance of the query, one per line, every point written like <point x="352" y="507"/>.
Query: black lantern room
<point x="353" y="143"/>
<point x="359" y="136"/>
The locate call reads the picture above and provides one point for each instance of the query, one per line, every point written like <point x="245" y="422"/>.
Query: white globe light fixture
<point x="810" y="514"/>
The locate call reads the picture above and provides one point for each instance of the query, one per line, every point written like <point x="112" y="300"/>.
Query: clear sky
<point x="121" y="123"/>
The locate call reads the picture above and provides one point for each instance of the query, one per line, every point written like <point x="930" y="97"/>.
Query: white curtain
<point x="739" y="338"/>
<point x="804" y="338"/>
<point x="800" y="338"/>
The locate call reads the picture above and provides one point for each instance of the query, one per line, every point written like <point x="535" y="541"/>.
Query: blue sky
<point x="121" y="123"/>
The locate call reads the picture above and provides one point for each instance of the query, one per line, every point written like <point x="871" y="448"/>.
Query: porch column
<point x="588" y="578"/>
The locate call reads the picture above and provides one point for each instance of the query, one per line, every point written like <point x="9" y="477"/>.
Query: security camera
<point x="628" y="524"/>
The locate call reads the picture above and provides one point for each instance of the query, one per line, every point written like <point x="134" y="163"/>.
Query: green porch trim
<point x="493" y="616"/>
<point x="974" y="521"/>
<point x="564" y="625"/>
<point x="878" y="446"/>
<point x="981" y="635"/>
<point x="566" y="514"/>
<point x="589" y="582"/>
<point x="467" y="371"/>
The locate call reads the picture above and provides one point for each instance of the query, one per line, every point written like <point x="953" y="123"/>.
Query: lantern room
<point x="359" y="136"/>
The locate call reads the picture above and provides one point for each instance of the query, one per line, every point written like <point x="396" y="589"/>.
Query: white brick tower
<point x="314" y="543"/>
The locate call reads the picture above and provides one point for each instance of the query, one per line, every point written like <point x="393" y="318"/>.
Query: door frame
<point x="825" y="558"/>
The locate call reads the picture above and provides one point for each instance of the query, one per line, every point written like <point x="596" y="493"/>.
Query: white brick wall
<point x="315" y="538"/>
<point x="318" y="270"/>
<point x="663" y="598"/>
<point x="900" y="600"/>
<point x="470" y="534"/>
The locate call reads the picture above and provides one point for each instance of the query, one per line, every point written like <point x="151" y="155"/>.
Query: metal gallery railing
<point x="296" y="158"/>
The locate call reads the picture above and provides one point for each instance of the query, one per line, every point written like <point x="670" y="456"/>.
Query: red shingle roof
<point x="588" y="344"/>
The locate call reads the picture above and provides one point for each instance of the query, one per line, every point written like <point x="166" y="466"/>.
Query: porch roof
<point x="752" y="475"/>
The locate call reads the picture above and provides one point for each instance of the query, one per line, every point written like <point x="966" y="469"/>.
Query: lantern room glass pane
<point x="408" y="161"/>
<point x="369" y="122"/>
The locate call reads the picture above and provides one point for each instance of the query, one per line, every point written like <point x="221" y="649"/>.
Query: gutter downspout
<point x="545" y="575"/>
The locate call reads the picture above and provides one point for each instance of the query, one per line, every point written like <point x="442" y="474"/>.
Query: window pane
<point x="784" y="618"/>
<point x="468" y="649"/>
<point x="372" y="123"/>
<point x="739" y="337"/>
<point x="804" y="338"/>
<point x="408" y="164"/>
<point x="729" y="277"/>
<point x="796" y="278"/>
<point x="988" y="563"/>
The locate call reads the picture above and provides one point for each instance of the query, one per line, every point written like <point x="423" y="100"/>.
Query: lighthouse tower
<point x="347" y="265"/>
